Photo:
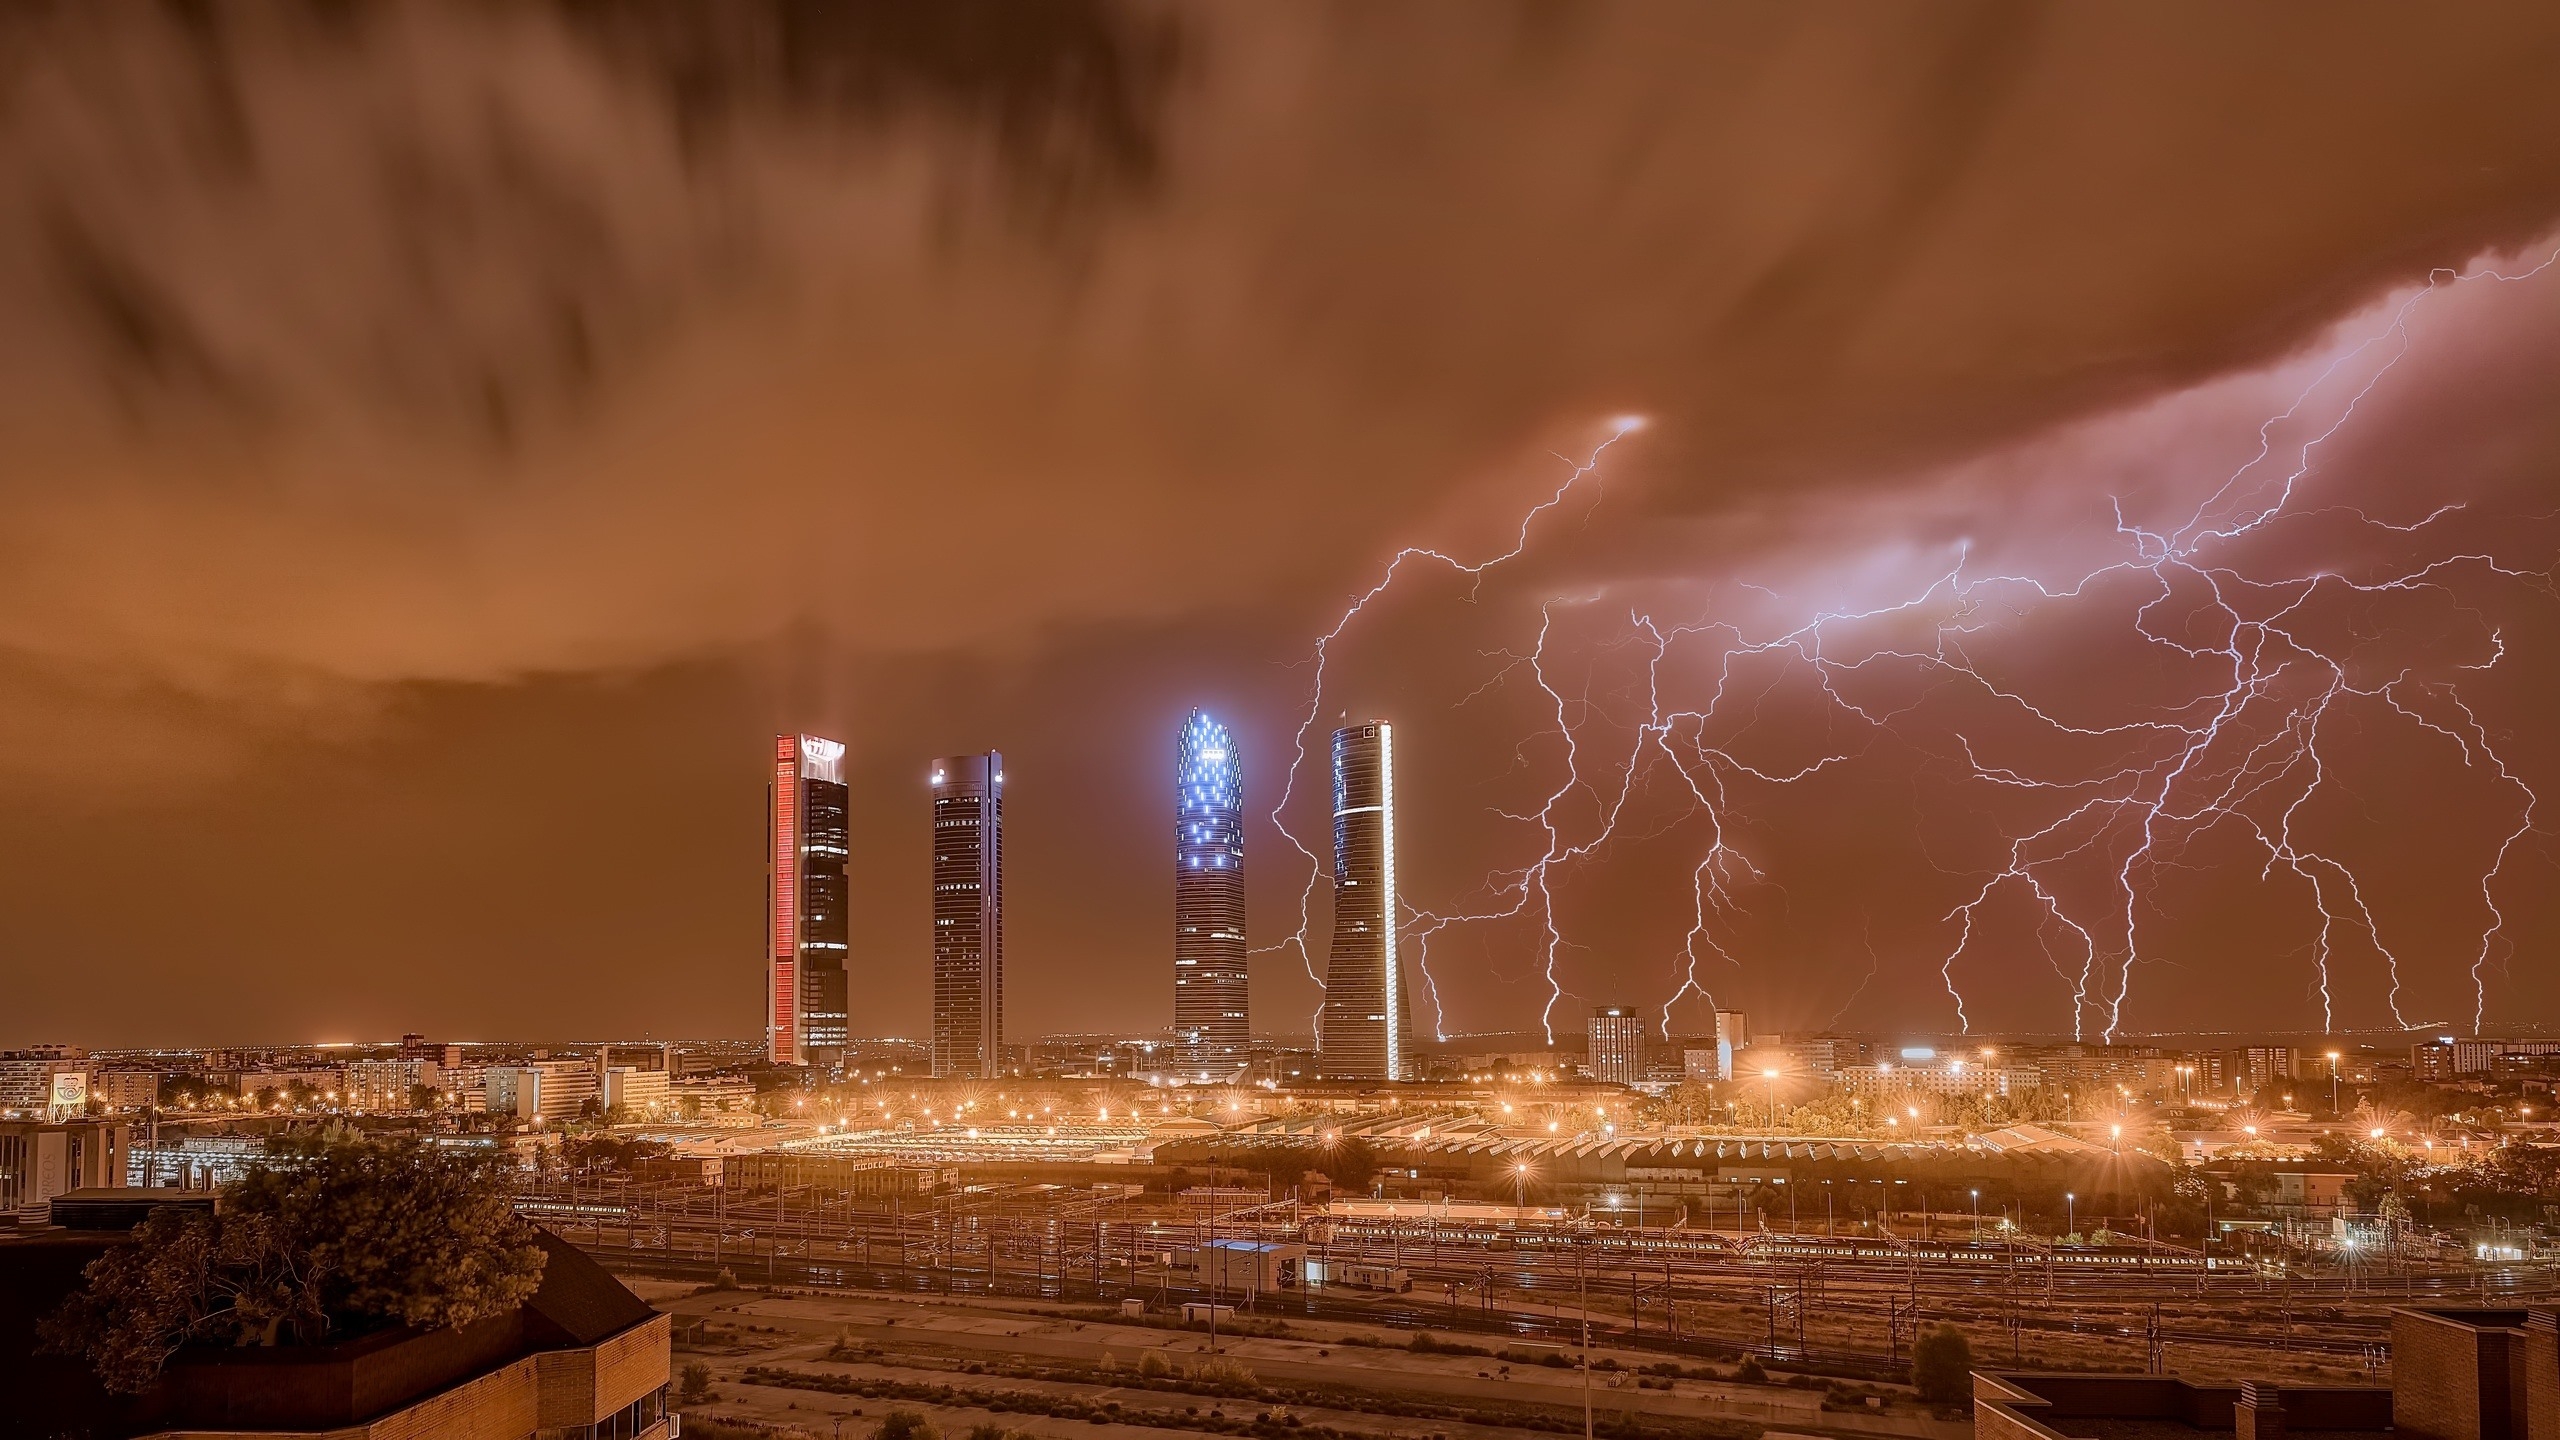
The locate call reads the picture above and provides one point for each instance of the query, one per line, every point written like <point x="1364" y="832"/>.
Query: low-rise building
<point x="1952" y="1078"/>
<point x="39" y="1161"/>
<point x="2456" y="1374"/>
<point x="27" y="1077"/>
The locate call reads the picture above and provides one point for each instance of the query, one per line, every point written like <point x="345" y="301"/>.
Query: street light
<point x="1772" y="1077"/>
<point x="2070" y="1215"/>
<point x="2333" y="1082"/>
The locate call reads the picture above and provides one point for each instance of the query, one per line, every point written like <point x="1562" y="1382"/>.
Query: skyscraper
<point x="968" y="915"/>
<point x="805" y="917"/>
<point x="1614" y="1045"/>
<point x="1364" y="1031"/>
<point x="1209" y="981"/>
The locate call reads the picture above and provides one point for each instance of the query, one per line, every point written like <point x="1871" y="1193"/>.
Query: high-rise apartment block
<point x="1210" y="1014"/>
<point x="968" y="915"/>
<point x="1365" y="1030"/>
<point x="1733" y="1036"/>
<point x="805" y="903"/>
<point x="1615" y="1045"/>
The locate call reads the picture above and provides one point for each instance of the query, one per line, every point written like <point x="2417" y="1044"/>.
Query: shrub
<point x="693" y="1385"/>
<point x="1226" y="1373"/>
<point x="904" y="1425"/>
<point x="1154" y="1366"/>
<point x="1749" y="1371"/>
<point x="1942" y="1366"/>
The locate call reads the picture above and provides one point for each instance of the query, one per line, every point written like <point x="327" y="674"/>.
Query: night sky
<point x="441" y="445"/>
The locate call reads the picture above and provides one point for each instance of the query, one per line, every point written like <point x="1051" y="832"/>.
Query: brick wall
<point x="2449" y="1378"/>
<point x="500" y="1405"/>
<point x="636" y="1362"/>
<point x="555" y="1389"/>
<point x="2541" y="1371"/>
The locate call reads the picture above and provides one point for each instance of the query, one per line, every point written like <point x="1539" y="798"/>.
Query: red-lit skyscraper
<point x="968" y="915"/>
<point x="805" y="914"/>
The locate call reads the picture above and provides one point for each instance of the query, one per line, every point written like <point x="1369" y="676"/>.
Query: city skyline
<point x="1857" y="703"/>
<point x="2010" y="523"/>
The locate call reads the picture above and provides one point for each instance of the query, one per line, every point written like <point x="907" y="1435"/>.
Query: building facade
<point x="27" y="1077"/>
<point x="635" y="1094"/>
<point x="1365" y="1029"/>
<point x="1949" y="1078"/>
<point x="1210" y="1012"/>
<point x="384" y="1085"/>
<point x="547" y="1090"/>
<point x="1733" y="1036"/>
<point x="806" y="991"/>
<point x="968" y="915"/>
<point x="39" y="1161"/>
<point x="1615" y="1041"/>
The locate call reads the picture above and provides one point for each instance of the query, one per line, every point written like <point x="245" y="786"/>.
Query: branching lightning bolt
<point x="2240" y="752"/>
<point x="1325" y="643"/>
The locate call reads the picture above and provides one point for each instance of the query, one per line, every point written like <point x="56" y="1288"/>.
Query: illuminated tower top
<point x="1209" y="971"/>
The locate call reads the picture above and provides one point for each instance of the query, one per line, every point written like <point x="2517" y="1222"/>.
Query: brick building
<point x="2456" y="1374"/>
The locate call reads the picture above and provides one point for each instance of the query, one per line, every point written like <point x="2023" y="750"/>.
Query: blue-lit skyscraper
<point x="1210" y="1012"/>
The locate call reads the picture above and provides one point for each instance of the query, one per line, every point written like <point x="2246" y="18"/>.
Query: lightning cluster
<point x="2259" y="666"/>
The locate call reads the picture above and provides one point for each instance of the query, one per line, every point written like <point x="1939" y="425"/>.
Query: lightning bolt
<point x="1476" y="570"/>
<point x="2240" y="748"/>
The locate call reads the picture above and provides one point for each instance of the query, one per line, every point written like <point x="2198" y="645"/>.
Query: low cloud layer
<point x="803" y="366"/>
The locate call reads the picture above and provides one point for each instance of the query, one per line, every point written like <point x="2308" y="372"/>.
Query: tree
<point x="1942" y="1366"/>
<point x="904" y="1425"/>
<point x="323" y="1235"/>
<point x="693" y="1385"/>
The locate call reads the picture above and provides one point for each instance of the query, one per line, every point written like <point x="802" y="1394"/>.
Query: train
<point x="1386" y="1279"/>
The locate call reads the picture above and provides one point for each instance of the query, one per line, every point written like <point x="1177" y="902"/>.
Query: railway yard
<point x="1805" y="1304"/>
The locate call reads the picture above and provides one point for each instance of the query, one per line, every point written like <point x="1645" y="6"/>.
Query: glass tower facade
<point x="1364" y="1031"/>
<point x="968" y="915"/>
<point x="1210" y="1017"/>
<point x="805" y="903"/>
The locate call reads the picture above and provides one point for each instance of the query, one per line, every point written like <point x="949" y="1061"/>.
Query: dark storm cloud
<point x="355" y="350"/>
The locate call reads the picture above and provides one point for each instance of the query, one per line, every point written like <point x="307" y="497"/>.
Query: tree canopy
<point x="321" y="1238"/>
